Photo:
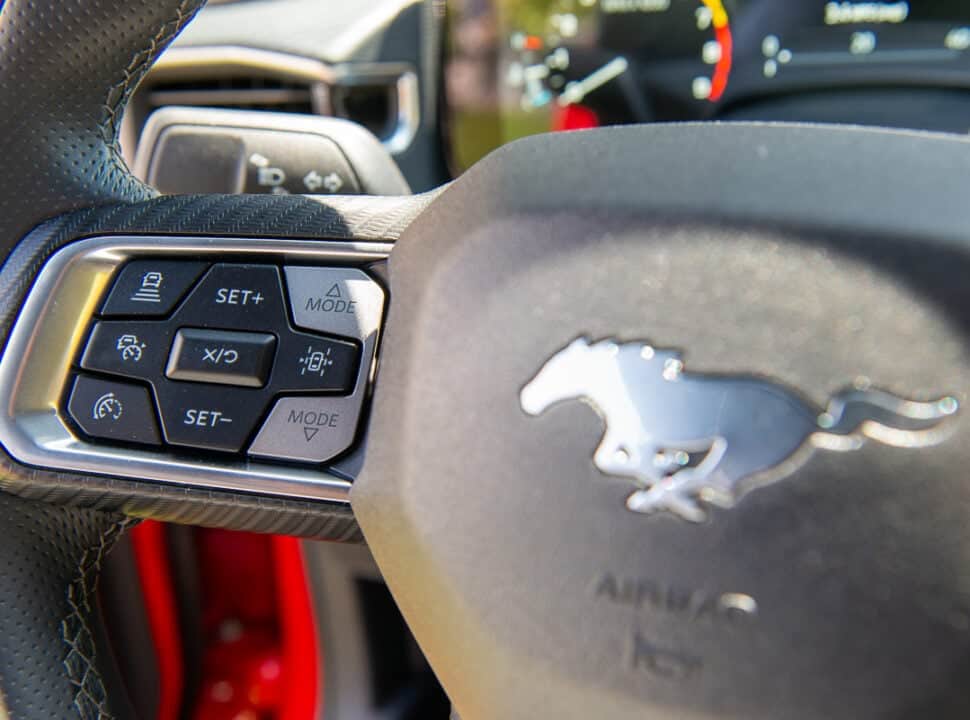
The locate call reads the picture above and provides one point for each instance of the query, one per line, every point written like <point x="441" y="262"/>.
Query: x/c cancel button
<point x="307" y="429"/>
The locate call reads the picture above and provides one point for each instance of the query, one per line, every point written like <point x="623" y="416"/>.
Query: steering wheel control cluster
<point x="234" y="364"/>
<point x="205" y="356"/>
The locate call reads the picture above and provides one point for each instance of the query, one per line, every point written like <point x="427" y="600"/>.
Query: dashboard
<point x="517" y="67"/>
<point x="444" y="82"/>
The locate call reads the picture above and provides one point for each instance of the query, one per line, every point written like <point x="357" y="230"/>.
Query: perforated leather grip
<point x="67" y="69"/>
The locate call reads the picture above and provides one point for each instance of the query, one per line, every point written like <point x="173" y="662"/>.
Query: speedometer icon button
<point x="111" y="410"/>
<point x="107" y="407"/>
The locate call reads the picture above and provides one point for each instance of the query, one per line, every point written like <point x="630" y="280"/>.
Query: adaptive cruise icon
<point x="107" y="407"/>
<point x="685" y="438"/>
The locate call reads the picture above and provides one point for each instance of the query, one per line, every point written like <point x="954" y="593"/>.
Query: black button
<point x="132" y="349"/>
<point x="114" y="410"/>
<point x="311" y="362"/>
<point x="151" y="287"/>
<point x="221" y="356"/>
<point x="236" y="297"/>
<point x="190" y="160"/>
<point x="209" y="417"/>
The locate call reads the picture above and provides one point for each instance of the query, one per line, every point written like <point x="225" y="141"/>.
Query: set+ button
<point x="236" y="297"/>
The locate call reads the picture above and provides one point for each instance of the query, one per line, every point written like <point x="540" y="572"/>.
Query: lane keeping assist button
<point x="221" y="356"/>
<point x="312" y="363"/>
<point x="307" y="429"/>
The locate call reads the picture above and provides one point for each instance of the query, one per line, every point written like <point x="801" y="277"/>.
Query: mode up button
<point x="338" y="301"/>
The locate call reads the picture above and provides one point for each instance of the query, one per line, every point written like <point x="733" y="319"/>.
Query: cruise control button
<point x="308" y="362"/>
<point x="221" y="356"/>
<point x="114" y="410"/>
<point x="151" y="287"/>
<point x="340" y="301"/>
<point x="243" y="297"/>
<point x="307" y="429"/>
<point x="132" y="349"/>
<point x="210" y="418"/>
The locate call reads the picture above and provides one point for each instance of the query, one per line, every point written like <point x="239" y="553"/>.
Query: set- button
<point x="209" y="417"/>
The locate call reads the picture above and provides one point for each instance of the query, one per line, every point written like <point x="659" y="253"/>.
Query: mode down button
<point x="307" y="429"/>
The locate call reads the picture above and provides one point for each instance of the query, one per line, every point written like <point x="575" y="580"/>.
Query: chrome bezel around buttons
<point x="37" y="363"/>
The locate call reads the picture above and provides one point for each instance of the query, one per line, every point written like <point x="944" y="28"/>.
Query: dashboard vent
<point x="239" y="92"/>
<point x="383" y="97"/>
<point x="372" y="104"/>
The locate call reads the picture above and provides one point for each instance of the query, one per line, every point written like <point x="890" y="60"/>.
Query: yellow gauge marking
<point x="719" y="14"/>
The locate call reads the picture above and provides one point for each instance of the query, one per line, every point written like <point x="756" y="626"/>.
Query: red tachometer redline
<point x="722" y="33"/>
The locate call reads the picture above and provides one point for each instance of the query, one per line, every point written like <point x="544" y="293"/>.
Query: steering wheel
<point x="667" y="420"/>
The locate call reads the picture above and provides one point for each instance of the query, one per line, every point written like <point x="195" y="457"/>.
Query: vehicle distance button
<point x="151" y="287"/>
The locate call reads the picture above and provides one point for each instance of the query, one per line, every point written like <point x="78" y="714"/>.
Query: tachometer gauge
<point x="562" y="53"/>
<point x="518" y="67"/>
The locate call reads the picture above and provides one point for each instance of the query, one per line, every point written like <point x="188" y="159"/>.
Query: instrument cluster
<point x="517" y="67"/>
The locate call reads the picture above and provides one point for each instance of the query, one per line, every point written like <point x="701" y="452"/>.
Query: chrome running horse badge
<point x="683" y="438"/>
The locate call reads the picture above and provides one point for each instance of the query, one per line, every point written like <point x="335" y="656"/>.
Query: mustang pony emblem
<point x="682" y="438"/>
